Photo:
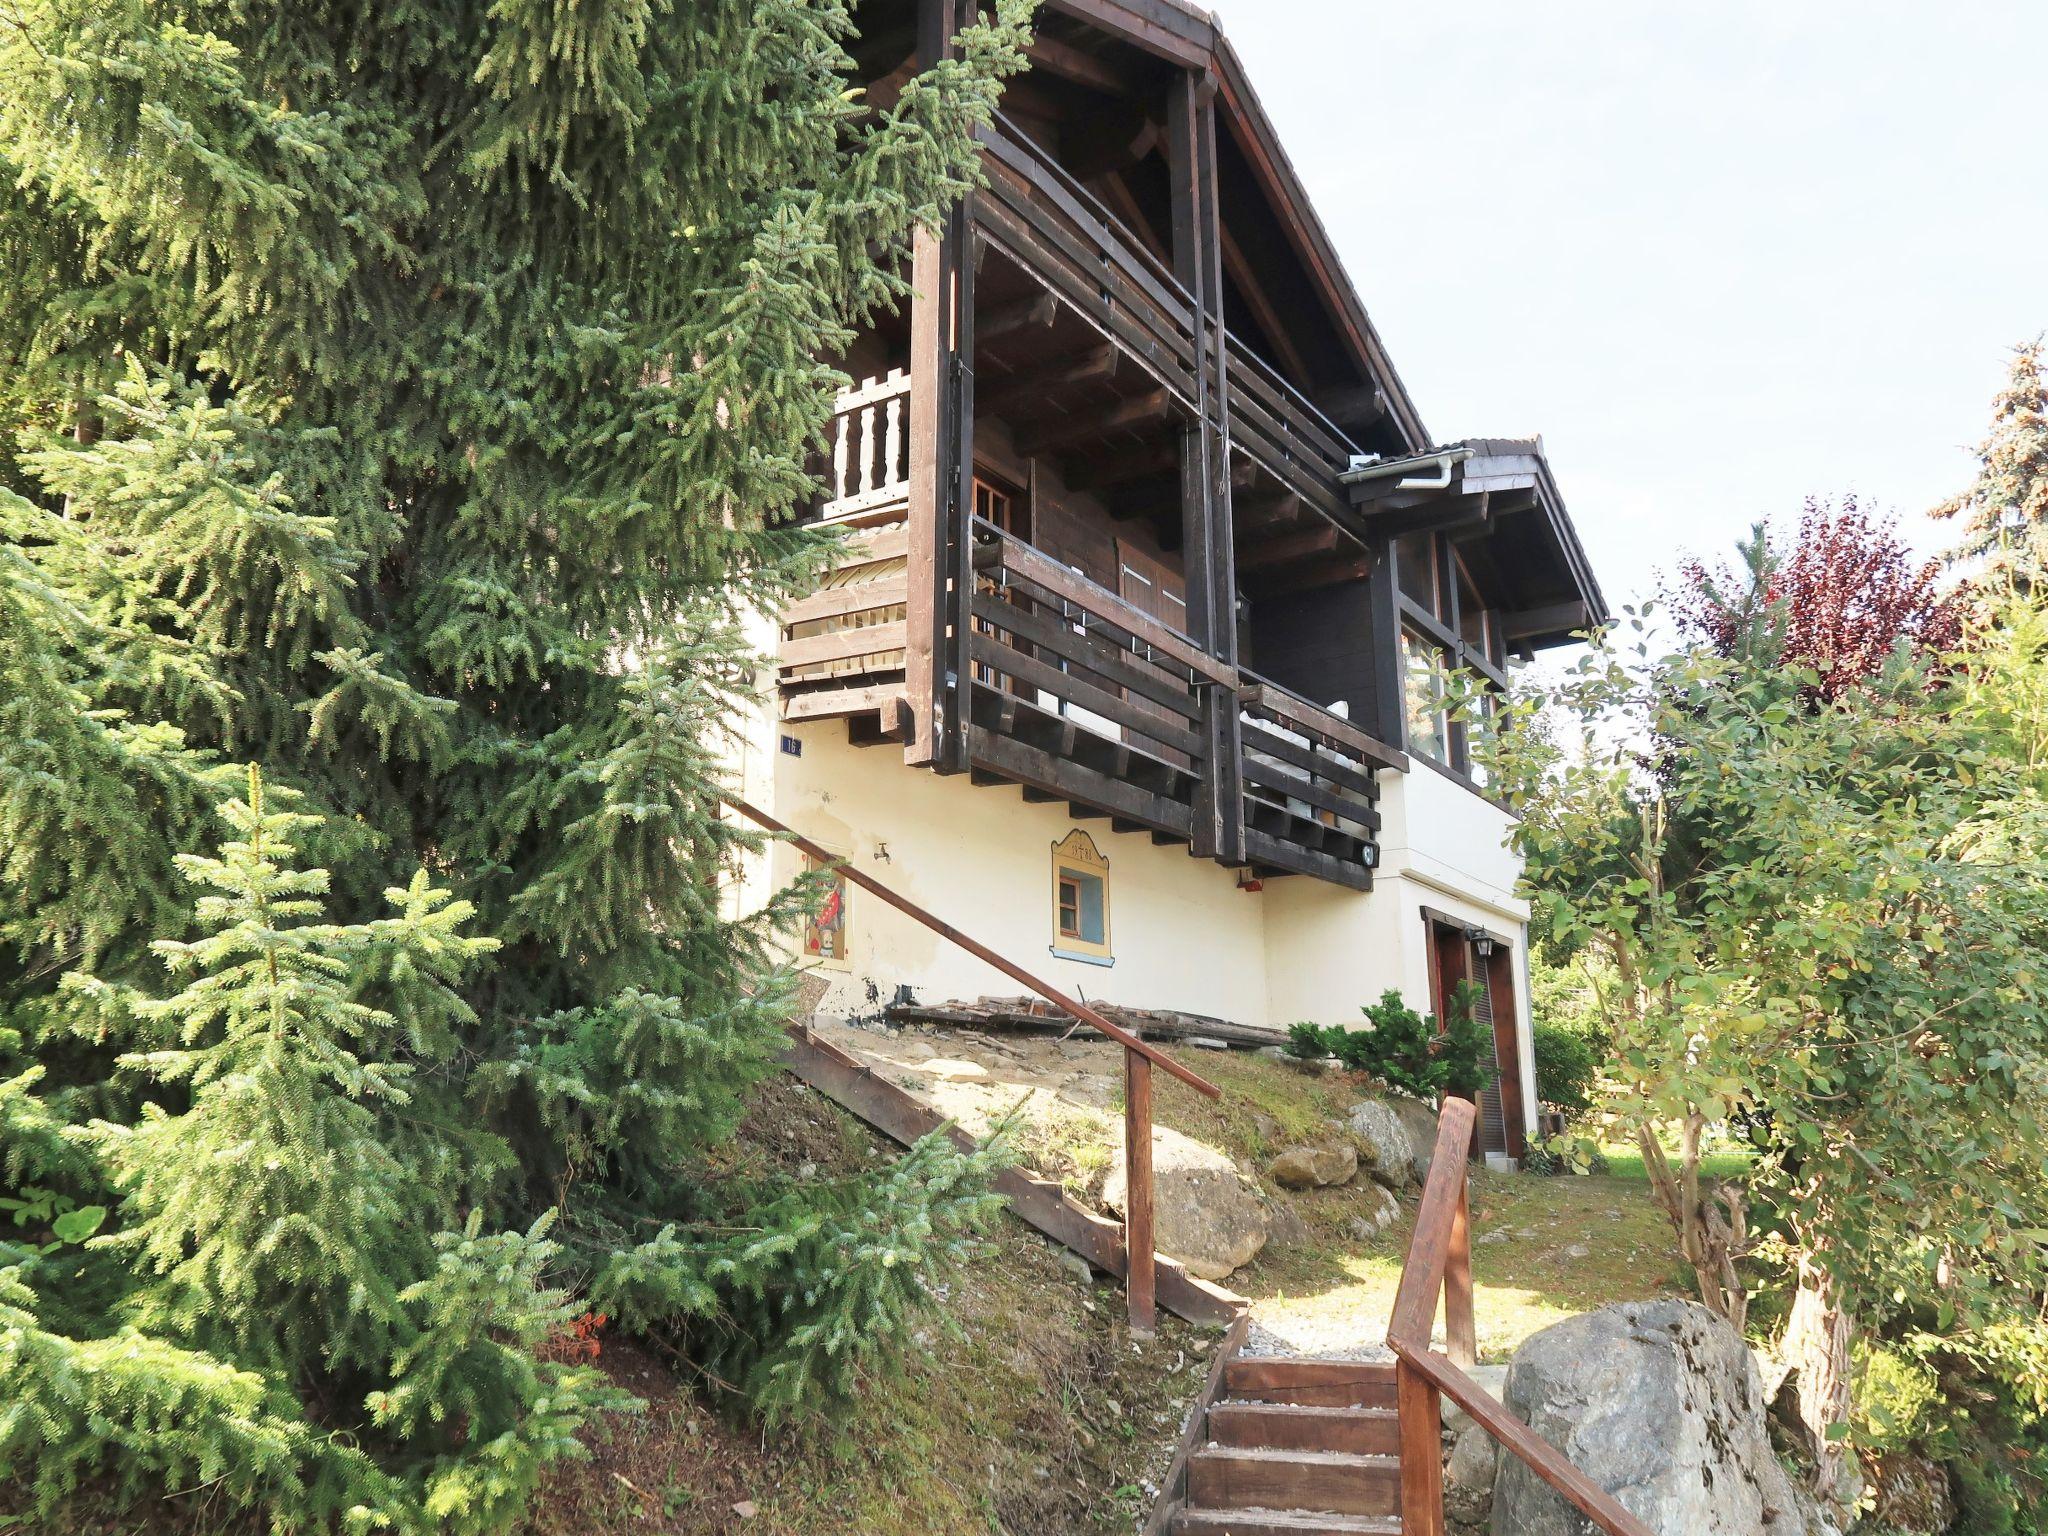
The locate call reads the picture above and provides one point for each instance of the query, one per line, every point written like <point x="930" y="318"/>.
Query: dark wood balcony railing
<point x="1049" y="224"/>
<point x="1439" y="1265"/>
<point x="1277" y="426"/>
<point x="1311" y="801"/>
<point x="1079" y="693"/>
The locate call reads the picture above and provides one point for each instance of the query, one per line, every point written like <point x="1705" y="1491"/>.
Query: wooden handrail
<point x="1140" y="1280"/>
<point x="1439" y="1263"/>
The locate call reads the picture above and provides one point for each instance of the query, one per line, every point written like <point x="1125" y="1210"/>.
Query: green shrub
<point x="1464" y="1051"/>
<point x="1567" y="1066"/>
<point x="1405" y="1049"/>
<point x="1308" y="1042"/>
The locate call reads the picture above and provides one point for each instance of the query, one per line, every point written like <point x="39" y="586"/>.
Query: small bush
<point x="1308" y="1042"/>
<point x="1405" y="1049"/>
<point x="1464" y="1051"/>
<point x="1567" y="1067"/>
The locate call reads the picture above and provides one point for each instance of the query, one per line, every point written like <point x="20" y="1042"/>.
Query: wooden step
<point x="1279" y="1522"/>
<point x="1311" y="1383"/>
<point x="1333" y="1482"/>
<point x="1299" y="1427"/>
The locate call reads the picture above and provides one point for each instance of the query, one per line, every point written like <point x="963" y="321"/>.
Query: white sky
<point x="1720" y="256"/>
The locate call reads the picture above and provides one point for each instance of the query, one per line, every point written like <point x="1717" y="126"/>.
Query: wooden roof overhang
<point x="1191" y="38"/>
<point x="1497" y="498"/>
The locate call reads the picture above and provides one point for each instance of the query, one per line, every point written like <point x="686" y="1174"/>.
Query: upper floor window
<point x="1446" y="625"/>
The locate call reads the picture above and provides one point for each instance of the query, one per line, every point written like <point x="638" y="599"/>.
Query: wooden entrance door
<point x="1454" y="958"/>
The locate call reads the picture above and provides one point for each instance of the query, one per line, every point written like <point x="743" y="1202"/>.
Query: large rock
<point x="1204" y="1213"/>
<point x="1317" y="1167"/>
<point x="1661" y="1404"/>
<point x="1419" y="1121"/>
<point x="1386" y="1150"/>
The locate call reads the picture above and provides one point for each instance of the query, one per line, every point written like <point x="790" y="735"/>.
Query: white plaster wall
<point x="1184" y="935"/>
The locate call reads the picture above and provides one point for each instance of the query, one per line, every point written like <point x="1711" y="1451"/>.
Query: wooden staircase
<point x="1296" y="1448"/>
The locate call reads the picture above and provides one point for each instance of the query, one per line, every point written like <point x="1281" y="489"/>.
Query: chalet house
<point x="1136" y="671"/>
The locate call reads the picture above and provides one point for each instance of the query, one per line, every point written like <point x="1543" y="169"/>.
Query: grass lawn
<point x="1544" y="1249"/>
<point x="1626" y="1162"/>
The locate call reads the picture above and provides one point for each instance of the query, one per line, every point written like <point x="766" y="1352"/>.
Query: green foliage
<point x="1405" y="1049"/>
<point x="1823" y="922"/>
<point x="1462" y="1055"/>
<point x="1567" y="1067"/>
<point x="1307" y="1042"/>
<point x="416" y="403"/>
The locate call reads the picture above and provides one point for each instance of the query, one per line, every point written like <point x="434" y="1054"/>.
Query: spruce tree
<point x="2004" y="513"/>
<point x="412" y="402"/>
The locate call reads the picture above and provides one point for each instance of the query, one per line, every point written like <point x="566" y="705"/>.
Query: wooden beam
<point x="1116" y="192"/>
<point x="1079" y="66"/>
<point x="1044" y="436"/>
<point x="1256" y="299"/>
<point x="1087" y="367"/>
<point x="1319" y="539"/>
<point x="1546" y="620"/>
<point x="1040" y="310"/>
<point x="1357" y="405"/>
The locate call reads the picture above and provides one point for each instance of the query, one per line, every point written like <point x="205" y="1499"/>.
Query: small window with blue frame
<point x="1080" y="890"/>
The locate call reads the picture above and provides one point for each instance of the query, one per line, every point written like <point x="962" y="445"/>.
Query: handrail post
<point x="1422" y="1451"/>
<point x="1140" y="1280"/>
<point x="1460" y="1332"/>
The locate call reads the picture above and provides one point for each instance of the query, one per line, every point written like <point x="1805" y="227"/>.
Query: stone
<point x="1385" y="1149"/>
<point x="1469" y="1478"/>
<point x="952" y="1070"/>
<point x="1204" y="1213"/>
<point x="1077" y="1267"/>
<point x="1316" y="1167"/>
<point x="1382" y="1211"/>
<point x="1284" y="1226"/>
<point x="1660" y="1403"/>
<point x="1419" y="1121"/>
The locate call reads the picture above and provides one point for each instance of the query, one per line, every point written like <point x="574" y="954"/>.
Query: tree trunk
<point x="1815" y="1347"/>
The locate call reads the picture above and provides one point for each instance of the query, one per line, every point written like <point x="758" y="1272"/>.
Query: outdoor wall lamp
<point x="1482" y="942"/>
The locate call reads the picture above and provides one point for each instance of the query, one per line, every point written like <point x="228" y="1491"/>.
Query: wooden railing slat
<point x="1439" y="1263"/>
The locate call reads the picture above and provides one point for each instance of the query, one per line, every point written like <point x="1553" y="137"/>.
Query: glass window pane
<point x="1423" y="689"/>
<point x="1415" y="568"/>
<point x="1472" y="625"/>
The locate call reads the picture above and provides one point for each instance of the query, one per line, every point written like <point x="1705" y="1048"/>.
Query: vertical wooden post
<point x="1209" y="566"/>
<point x="1389" y="698"/>
<point x="1140" y="1288"/>
<point x="936" y="740"/>
<point x="1461" y="1340"/>
<point x="1422" y="1452"/>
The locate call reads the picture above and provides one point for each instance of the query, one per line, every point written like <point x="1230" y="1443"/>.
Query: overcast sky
<point x="1720" y="256"/>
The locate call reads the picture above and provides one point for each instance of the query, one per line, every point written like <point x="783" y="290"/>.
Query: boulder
<point x="1316" y="1167"/>
<point x="1381" y="1211"/>
<point x="1419" y="1121"/>
<point x="1469" y="1478"/>
<point x="1385" y="1149"/>
<point x="1204" y="1213"/>
<point x="1660" y="1403"/>
<point x="1492" y="1380"/>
